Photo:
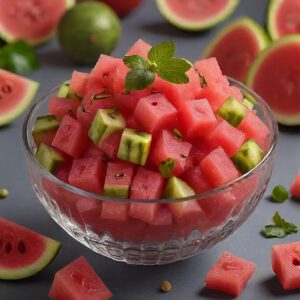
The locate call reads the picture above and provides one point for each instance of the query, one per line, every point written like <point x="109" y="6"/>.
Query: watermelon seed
<point x="6" y="89"/>
<point x="182" y="156"/>
<point x="22" y="247"/>
<point x="296" y="262"/>
<point x="8" y="248"/>
<point x="105" y="75"/>
<point x="120" y="175"/>
<point x="154" y="103"/>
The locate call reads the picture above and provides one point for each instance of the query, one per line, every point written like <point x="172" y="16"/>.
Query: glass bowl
<point x="222" y="211"/>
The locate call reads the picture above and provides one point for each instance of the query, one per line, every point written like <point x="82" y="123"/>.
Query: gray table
<point x="133" y="282"/>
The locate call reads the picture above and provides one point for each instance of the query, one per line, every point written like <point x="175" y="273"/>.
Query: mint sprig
<point x="280" y="228"/>
<point x="161" y="61"/>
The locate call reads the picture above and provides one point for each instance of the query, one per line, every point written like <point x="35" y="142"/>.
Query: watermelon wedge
<point x="16" y="93"/>
<point x="295" y="188"/>
<point x="195" y="15"/>
<point x="274" y="75"/>
<point x="23" y="252"/>
<point x="235" y="58"/>
<point x="33" y="21"/>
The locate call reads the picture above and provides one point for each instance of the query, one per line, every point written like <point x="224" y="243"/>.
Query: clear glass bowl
<point x="135" y="242"/>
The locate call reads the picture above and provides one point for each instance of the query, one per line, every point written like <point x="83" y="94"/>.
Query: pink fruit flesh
<point x="295" y="188"/>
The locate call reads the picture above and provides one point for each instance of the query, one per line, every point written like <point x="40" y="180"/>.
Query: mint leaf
<point x="161" y="53"/>
<point x="138" y="79"/>
<point x="272" y="231"/>
<point x="18" y="57"/>
<point x="135" y="62"/>
<point x="166" y="167"/>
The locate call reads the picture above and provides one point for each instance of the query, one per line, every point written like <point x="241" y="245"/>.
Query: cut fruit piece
<point x="140" y="47"/>
<point x="111" y="144"/>
<point x="196" y="15"/>
<point x="60" y="107"/>
<point x="248" y="157"/>
<point x="232" y="111"/>
<point x="24" y="252"/>
<point x="79" y="83"/>
<point x="17" y="93"/>
<point x="248" y="104"/>
<point x="295" y="188"/>
<point x="177" y="188"/>
<point x="230" y="274"/>
<point x="64" y="89"/>
<point x="275" y="77"/>
<point x="236" y="58"/>
<point x="134" y="146"/>
<point x="48" y="157"/>
<point x="283" y="18"/>
<point x="105" y="123"/>
<point x="32" y="21"/>
<point x="118" y="179"/>
<point x="285" y="264"/>
<point x="78" y="281"/>
<point x="117" y="211"/>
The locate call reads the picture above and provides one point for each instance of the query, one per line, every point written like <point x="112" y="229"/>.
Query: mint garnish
<point x="166" y="167"/>
<point x="280" y="228"/>
<point x="161" y="61"/>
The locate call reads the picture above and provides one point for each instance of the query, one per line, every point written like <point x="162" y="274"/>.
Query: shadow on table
<point x="214" y="294"/>
<point x="272" y="285"/>
<point x="289" y="129"/>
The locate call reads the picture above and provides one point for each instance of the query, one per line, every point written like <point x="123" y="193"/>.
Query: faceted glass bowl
<point x="135" y="242"/>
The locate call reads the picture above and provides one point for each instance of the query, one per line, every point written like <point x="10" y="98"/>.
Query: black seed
<point x="8" y="248"/>
<point x="22" y="247"/>
<point x="120" y="175"/>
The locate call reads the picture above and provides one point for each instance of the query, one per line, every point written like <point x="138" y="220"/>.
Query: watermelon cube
<point x="118" y="179"/>
<point x="118" y="85"/>
<point x="84" y="117"/>
<point x="140" y="48"/>
<point x="146" y="185"/>
<point x="285" y="264"/>
<point x="113" y="210"/>
<point x="79" y="83"/>
<point x="218" y="168"/>
<point x="226" y="136"/>
<point x="94" y="151"/>
<point x="88" y="174"/>
<point x="236" y="93"/>
<point x="230" y="274"/>
<point x="196" y="118"/>
<point x="71" y="137"/>
<point x="61" y="107"/>
<point x="194" y="83"/>
<point x="295" y="188"/>
<point x="169" y="146"/>
<point x="78" y="281"/>
<point x="110" y="145"/>
<point x="132" y="123"/>
<point x="160" y="113"/>
<point x="254" y="128"/>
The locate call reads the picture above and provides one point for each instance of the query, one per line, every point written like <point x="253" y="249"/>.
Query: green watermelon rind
<point x="51" y="250"/>
<point x="283" y="119"/>
<point x="259" y="34"/>
<point x="8" y="37"/>
<point x="273" y="9"/>
<point x="195" y="25"/>
<point x="32" y="87"/>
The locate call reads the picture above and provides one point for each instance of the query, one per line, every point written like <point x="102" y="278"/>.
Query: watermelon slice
<point x="275" y="77"/>
<point x="33" y="21"/>
<point x="230" y="274"/>
<point x="23" y="252"/>
<point x="196" y="15"/>
<point x="235" y="58"/>
<point x="140" y="48"/>
<point x="16" y="93"/>
<point x="79" y="83"/>
<point x="283" y="18"/>
<point x="295" y="188"/>
<point x="78" y="281"/>
<point x="285" y="264"/>
<point x="60" y="107"/>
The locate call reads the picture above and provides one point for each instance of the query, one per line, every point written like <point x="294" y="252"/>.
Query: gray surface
<point x="132" y="282"/>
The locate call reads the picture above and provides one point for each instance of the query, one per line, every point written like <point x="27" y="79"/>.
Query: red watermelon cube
<point x="88" y="174"/>
<point x="79" y="83"/>
<point x="132" y="123"/>
<point x="218" y="168"/>
<point x="169" y="146"/>
<point x="146" y="185"/>
<point x="295" y="188"/>
<point x="78" y="281"/>
<point x="140" y="48"/>
<point x="113" y="210"/>
<point x="285" y="264"/>
<point x="230" y="274"/>
<point x="160" y="113"/>
<point x="226" y="136"/>
<point x="110" y="145"/>
<point x="194" y="83"/>
<point x="254" y="128"/>
<point x="61" y="107"/>
<point x="71" y="137"/>
<point x="94" y="151"/>
<point x="196" y="118"/>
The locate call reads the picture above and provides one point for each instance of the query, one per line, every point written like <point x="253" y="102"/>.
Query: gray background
<point x="135" y="282"/>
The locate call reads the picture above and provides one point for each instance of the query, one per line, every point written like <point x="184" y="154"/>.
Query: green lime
<point x="88" y="30"/>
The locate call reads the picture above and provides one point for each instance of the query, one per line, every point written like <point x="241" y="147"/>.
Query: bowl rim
<point x="29" y="151"/>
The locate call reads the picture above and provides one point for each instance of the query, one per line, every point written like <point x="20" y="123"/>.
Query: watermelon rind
<point x="185" y="24"/>
<point x="32" y="87"/>
<point x="51" y="250"/>
<point x="8" y="37"/>
<point x="284" y="119"/>
<point x="273" y="9"/>
<point x="258" y="33"/>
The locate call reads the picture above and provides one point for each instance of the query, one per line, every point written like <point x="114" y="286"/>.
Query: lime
<point x="88" y="30"/>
